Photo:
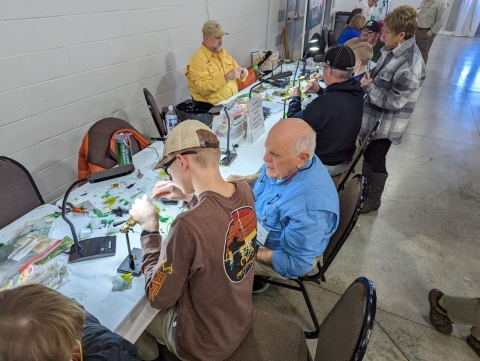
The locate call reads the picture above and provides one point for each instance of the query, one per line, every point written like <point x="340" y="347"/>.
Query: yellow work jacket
<point x="206" y="76"/>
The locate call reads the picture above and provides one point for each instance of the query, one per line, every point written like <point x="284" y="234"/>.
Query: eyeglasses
<point x="166" y="166"/>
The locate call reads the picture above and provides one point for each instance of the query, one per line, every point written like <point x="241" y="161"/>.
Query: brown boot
<point x="438" y="316"/>
<point x="474" y="344"/>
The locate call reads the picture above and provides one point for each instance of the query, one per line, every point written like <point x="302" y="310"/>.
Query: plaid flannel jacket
<point x="391" y="97"/>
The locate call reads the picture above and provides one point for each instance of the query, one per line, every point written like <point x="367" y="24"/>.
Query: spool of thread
<point x="96" y="223"/>
<point x="85" y="233"/>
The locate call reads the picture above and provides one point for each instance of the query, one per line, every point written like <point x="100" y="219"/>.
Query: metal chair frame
<point x="320" y="275"/>
<point x="27" y="173"/>
<point x="356" y="157"/>
<point x="159" y="123"/>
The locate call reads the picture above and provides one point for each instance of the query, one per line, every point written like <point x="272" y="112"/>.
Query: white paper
<point x="21" y="252"/>
<point x="262" y="234"/>
<point x="256" y="122"/>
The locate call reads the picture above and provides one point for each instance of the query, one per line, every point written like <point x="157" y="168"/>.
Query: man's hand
<point x="264" y="255"/>
<point x="250" y="179"/>
<point x="234" y="74"/>
<point x="312" y="87"/>
<point x="316" y="76"/>
<point x="365" y="81"/>
<point x="244" y="73"/>
<point x="429" y="33"/>
<point x="295" y="92"/>
<point x="145" y="214"/>
<point x="169" y="190"/>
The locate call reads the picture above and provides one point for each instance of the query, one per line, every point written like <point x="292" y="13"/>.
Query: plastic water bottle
<point x="171" y="118"/>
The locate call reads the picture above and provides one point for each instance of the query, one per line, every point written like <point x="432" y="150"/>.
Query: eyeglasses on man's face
<point x="166" y="166"/>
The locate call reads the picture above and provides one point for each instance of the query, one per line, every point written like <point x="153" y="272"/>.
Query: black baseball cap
<point x="372" y="26"/>
<point x="340" y="57"/>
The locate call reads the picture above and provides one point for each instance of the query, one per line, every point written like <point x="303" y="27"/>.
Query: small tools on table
<point x="74" y="209"/>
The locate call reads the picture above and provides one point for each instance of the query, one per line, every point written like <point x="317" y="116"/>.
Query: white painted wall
<point x="65" y="64"/>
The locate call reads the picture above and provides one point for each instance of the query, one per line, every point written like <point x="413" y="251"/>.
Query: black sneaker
<point x="259" y="285"/>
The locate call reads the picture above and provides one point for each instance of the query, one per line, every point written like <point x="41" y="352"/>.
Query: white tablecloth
<point x="127" y="313"/>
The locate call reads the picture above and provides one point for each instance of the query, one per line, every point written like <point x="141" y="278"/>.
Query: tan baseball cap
<point x="188" y="134"/>
<point x="214" y="28"/>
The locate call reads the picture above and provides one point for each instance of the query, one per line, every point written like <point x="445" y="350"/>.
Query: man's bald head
<point x="289" y="145"/>
<point x="297" y="134"/>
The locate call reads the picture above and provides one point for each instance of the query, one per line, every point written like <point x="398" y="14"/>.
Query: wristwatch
<point x="146" y="232"/>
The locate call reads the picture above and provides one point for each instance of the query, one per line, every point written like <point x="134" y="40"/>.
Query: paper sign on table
<point x="256" y="123"/>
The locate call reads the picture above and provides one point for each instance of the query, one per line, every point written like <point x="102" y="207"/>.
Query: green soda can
<point x="123" y="147"/>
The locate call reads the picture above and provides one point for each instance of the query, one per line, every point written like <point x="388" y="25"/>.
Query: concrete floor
<point x="426" y="234"/>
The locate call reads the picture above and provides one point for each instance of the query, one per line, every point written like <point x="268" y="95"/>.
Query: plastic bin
<point x="220" y="126"/>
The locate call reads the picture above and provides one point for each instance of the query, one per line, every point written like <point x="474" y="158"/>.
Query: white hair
<point x="342" y="74"/>
<point x="306" y="143"/>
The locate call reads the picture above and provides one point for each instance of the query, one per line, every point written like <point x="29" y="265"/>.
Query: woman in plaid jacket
<point x="392" y="91"/>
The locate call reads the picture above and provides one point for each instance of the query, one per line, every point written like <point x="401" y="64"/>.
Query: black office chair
<point x="325" y="34"/>
<point x="272" y="336"/>
<point x="18" y="191"/>
<point x="356" y="157"/>
<point x="351" y="197"/>
<point x="331" y="38"/>
<point x="345" y="332"/>
<point x="156" y="115"/>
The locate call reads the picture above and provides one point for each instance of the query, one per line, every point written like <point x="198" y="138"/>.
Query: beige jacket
<point x="431" y="15"/>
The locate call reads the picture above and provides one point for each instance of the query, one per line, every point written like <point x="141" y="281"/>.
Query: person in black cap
<point x="336" y="115"/>
<point x="371" y="34"/>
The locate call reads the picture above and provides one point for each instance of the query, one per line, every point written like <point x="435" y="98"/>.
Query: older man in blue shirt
<point x="296" y="202"/>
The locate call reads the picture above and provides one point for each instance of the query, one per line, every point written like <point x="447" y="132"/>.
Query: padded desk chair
<point x="331" y="38"/>
<point x="18" y="191"/>
<point x="156" y="115"/>
<point x="272" y="336"/>
<point x="356" y="157"/>
<point x="325" y="34"/>
<point x="97" y="151"/>
<point x="351" y="197"/>
<point x="344" y="334"/>
<point x="346" y="331"/>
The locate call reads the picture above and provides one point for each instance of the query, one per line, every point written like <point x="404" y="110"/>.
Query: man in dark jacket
<point x="336" y="115"/>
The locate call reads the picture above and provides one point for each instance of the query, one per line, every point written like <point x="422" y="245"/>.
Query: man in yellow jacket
<point x="211" y="71"/>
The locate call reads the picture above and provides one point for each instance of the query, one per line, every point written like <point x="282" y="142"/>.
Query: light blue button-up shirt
<point x="300" y="213"/>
